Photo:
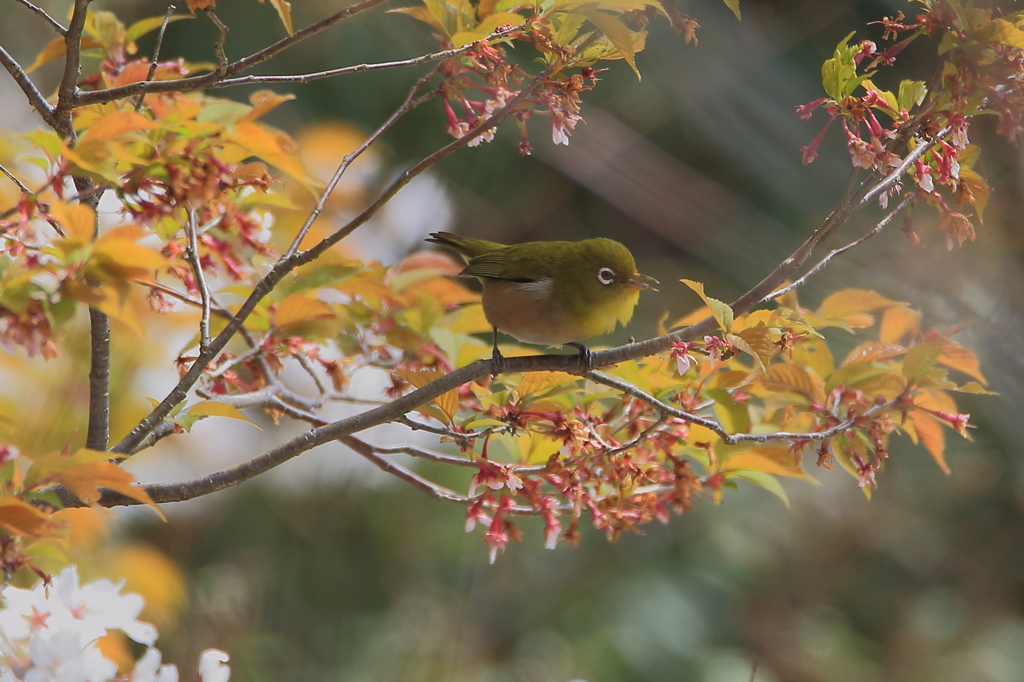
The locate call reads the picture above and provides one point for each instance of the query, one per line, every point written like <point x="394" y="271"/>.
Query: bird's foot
<point x="585" y="358"/>
<point x="497" y="363"/>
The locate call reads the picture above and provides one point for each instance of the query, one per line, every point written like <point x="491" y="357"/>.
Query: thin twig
<point x="306" y="365"/>
<point x="15" y="180"/>
<point x="41" y="12"/>
<point x="642" y="436"/>
<point x="218" y="47"/>
<point x="893" y="177"/>
<point x="233" y="69"/>
<point x="192" y="255"/>
<point x="835" y="252"/>
<point x="35" y="98"/>
<point x="307" y="77"/>
<point x="185" y="298"/>
<point x="347" y="161"/>
<point x="156" y="52"/>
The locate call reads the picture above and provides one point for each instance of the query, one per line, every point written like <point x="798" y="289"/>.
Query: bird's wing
<point x="514" y="263"/>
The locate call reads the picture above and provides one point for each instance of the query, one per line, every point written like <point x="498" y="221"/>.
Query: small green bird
<point x="552" y="293"/>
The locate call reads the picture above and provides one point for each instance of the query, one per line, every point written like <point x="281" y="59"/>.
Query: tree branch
<point x="222" y="36"/>
<point x="287" y="264"/>
<point x="153" y="63"/>
<point x="307" y="77"/>
<point x="68" y="88"/>
<point x="35" y="98"/>
<point x="192" y="255"/>
<point x="842" y="249"/>
<point x="233" y="69"/>
<point x="99" y="381"/>
<point x="406" y="106"/>
<point x="41" y="12"/>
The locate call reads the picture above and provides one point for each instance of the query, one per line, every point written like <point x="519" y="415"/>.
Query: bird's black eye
<point x="606" y="276"/>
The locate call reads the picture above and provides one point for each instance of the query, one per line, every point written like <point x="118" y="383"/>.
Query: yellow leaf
<point x="420" y="12"/>
<point x="21" y="518"/>
<point x="448" y="401"/>
<point x="617" y="33"/>
<point x="898" y="322"/>
<point x="756" y="341"/>
<point x="734" y="5"/>
<point x="722" y="312"/>
<point x="212" y="408"/>
<point x="57" y="48"/>
<point x="1005" y="33"/>
<point x="815" y="353"/>
<point x="873" y="351"/>
<point x="691" y="318"/>
<point x="263" y="101"/>
<point x="297" y="307"/>
<point x="926" y="429"/>
<point x="273" y="146"/>
<point x="538" y="382"/>
<point x="78" y="220"/>
<point x="849" y="302"/>
<point x="776" y="460"/>
<point x="284" y="10"/>
<point x="487" y="27"/>
<point x="149" y="24"/>
<point x="791" y="377"/>
<point x="126" y="253"/>
<point x="115" y="124"/>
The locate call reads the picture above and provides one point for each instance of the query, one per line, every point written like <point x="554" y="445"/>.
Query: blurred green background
<point x="328" y="571"/>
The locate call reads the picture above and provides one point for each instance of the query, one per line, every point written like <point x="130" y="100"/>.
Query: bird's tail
<point x="470" y="248"/>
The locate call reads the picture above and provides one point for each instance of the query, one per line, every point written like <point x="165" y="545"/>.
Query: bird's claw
<point x="585" y="359"/>
<point x="497" y="363"/>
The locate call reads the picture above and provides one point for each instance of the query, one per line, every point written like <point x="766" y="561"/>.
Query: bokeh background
<point x="327" y="570"/>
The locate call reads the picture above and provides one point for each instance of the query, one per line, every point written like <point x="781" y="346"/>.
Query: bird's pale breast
<point x="529" y="313"/>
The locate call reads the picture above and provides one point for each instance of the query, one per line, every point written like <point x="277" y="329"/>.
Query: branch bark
<point x="233" y="69"/>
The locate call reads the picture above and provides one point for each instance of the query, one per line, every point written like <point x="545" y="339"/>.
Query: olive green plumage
<point x="552" y="293"/>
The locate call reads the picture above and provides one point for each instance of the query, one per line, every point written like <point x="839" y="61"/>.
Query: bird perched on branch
<point x="552" y="293"/>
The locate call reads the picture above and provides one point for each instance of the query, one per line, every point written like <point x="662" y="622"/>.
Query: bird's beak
<point x="639" y="281"/>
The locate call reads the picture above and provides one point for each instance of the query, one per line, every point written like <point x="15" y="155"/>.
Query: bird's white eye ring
<point x="606" y="276"/>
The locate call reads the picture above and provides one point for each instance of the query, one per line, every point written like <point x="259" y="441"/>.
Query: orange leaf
<point x="263" y="101"/>
<point x="926" y="429"/>
<point x="962" y="359"/>
<point x="448" y="401"/>
<point x="898" y="322"/>
<point x="297" y="308"/>
<point x="273" y="146"/>
<point x="85" y="481"/>
<point x="199" y="4"/>
<point x="21" y="518"/>
<point x="116" y="124"/>
<point x="770" y="459"/>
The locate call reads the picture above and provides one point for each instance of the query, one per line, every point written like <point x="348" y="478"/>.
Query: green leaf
<point x="734" y="5"/>
<point x="1003" y="32"/>
<point x="617" y="33"/>
<point x="766" y="481"/>
<point x="211" y="408"/>
<point x="911" y="94"/>
<point x="720" y="310"/>
<point x="920" y="359"/>
<point x="148" y="25"/>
